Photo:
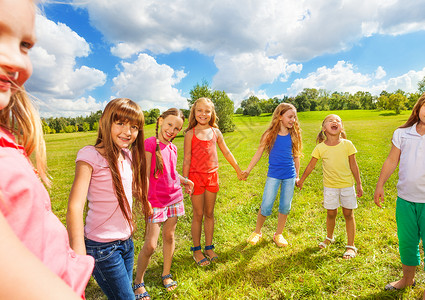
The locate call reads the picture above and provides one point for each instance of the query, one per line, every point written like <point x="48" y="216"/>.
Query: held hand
<point x="299" y="183"/>
<point x="378" y="197"/>
<point x="189" y="187"/>
<point x="243" y="175"/>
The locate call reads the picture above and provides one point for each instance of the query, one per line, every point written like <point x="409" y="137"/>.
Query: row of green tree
<point x="309" y="99"/>
<point x="313" y="99"/>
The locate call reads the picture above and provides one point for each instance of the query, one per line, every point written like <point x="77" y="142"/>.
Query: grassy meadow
<point x="264" y="271"/>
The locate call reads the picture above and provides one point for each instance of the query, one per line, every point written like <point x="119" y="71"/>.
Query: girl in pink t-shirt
<point x="165" y="195"/>
<point x="108" y="175"/>
<point x="35" y="256"/>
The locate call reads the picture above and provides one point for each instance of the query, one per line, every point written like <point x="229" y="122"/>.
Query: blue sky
<point x="154" y="52"/>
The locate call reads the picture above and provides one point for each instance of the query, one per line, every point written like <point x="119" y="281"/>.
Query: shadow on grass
<point x="387" y="114"/>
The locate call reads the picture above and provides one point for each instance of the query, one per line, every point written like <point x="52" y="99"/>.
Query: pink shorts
<point x="162" y="214"/>
<point x="204" y="181"/>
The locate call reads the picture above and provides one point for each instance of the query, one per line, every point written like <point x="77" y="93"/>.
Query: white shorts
<point x="334" y="198"/>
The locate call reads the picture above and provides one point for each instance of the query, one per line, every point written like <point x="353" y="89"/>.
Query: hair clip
<point x="157" y="141"/>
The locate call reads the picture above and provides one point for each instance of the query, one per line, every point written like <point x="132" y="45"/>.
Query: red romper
<point x="204" y="164"/>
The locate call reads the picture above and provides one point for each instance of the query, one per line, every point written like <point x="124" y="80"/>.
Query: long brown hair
<point x="192" y="119"/>
<point x="295" y="132"/>
<point x="322" y="135"/>
<point x="414" y="116"/>
<point x="125" y="110"/>
<point x="159" y="166"/>
<point x="22" y="119"/>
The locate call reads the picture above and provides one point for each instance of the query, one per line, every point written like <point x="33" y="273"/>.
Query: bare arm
<point x="23" y="274"/>
<point x="187" y="153"/>
<point x="388" y="168"/>
<point x="356" y="173"/>
<point x="227" y="154"/>
<point x="257" y="156"/>
<point x="307" y="172"/>
<point x="76" y="202"/>
<point x="297" y="166"/>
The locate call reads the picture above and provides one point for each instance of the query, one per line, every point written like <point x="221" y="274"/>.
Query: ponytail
<point x="159" y="166"/>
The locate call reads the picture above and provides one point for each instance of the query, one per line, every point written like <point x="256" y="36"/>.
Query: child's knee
<point x="348" y="214"/>
<point x="168" y="238"/>
<point x="149" y="248"/>
<point x="332" y="213"/>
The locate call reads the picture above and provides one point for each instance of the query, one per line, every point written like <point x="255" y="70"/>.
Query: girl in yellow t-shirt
<point x="340" y="170"/>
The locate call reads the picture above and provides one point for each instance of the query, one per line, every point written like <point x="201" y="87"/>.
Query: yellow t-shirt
<point x="335" y="163"/>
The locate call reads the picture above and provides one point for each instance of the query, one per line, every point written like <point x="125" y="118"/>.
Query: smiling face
<point x="288" y="118"/>
<point x="17" y="36"/>
<point x="332" y="125"/>
<point x="170" y="127"/>
<point x="203" y="113"/>
<point x="123" y="133"/>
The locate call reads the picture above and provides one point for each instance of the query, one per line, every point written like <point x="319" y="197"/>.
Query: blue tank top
<point x="281" y="161"/>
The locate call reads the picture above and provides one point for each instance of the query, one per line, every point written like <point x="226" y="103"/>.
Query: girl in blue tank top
<point x="282" y="141"/>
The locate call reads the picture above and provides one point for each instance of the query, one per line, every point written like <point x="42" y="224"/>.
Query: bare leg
<point x="260" y="222"/>
<point x="168" y="230"/>
<point x="350" y="226"/>
<point x="151" y="241"/>
<point x="407" y="279"/>
<point x="281" y="221"/>
<point x="209" y="204"/>
<point x="198" y="215"/>
<point x="330" y="224"/>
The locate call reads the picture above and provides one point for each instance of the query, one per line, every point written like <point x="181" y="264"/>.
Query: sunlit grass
<point x="264" y="271"/>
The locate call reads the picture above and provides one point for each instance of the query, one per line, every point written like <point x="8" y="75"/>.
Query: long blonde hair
<point x="22" y="119"/>
<point x="414" y="116"/>
<point x="322" y="135"/>
<point x="125" y="110"/>
<point x="295" y="132"/>
<point x="192" y="119"/>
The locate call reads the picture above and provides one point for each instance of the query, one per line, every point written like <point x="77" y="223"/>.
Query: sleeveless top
<point x="281" y="160"/>
<point x="204" y="157"/>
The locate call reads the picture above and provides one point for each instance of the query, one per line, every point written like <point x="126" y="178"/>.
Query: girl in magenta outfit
<point x="35" y="257"/>
<point x="200" y="164"/>
<point x="165" y="196"/>
<point x="108" y="175"/>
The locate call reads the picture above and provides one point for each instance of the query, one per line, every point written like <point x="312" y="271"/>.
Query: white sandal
<point x="350" y="254"/>
<point x="323" y="245"/>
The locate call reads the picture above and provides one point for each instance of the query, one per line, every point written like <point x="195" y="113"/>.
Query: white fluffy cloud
<point x="343" y="77"/>
<point x="277" y="34"/>
<point x="57" y="81"/>
<point x="149" y="83"/>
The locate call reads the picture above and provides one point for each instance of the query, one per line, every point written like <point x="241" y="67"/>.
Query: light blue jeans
<point x="270" y="192"/>
<point x="113" y="268"/>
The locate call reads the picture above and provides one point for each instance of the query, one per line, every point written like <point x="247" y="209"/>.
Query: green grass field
<point x="300" y="271"/>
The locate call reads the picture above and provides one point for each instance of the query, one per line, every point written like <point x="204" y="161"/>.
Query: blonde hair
<point x="125" y="110"/>
<point x="22" y="119"/>
<point x="295" y="132"/>
<point x="322" y="135"/>
<point x="414" y="116"/>
<point x="159" y="166"/>
<point x="192" y="119"/>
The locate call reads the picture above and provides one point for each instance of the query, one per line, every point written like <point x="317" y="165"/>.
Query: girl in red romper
<point x="200" y="165"/>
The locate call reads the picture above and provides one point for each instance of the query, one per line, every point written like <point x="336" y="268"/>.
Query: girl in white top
<point x="340" y="171"/>
<point x="408" y="149"/>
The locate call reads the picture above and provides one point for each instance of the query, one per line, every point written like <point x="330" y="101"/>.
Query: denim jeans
<point x="270" y="192"/>
<point x="113" y="268"/>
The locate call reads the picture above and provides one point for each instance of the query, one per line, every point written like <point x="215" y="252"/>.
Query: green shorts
<point x="410" y="217"/>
